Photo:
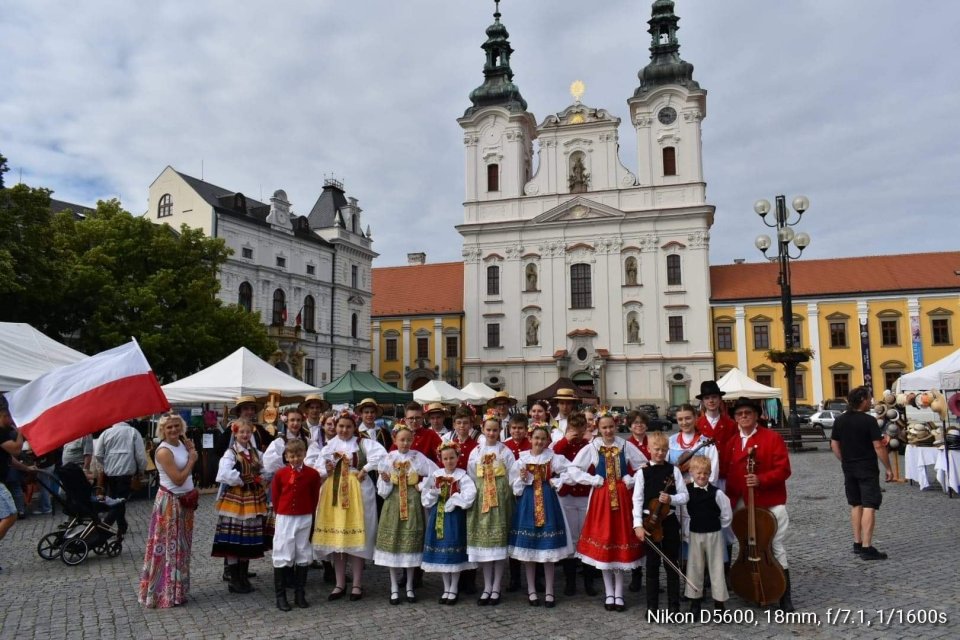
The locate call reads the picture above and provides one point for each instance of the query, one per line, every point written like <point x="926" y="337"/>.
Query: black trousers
<point x="118" y="486"/>
<point x="670" y="545"/>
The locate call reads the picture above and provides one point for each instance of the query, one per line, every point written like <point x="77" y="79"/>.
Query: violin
<point x="657" y="511"/>
<point x="756" y="575"/>
<point x="687" y="455"/>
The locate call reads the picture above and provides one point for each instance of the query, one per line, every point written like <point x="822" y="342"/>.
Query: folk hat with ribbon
<point x="369" y="402"/>
<point x="315" y="397"/>
<point x="709" y="388"/>
<point x="434" y="407"/>
<point x="570" y="395"/>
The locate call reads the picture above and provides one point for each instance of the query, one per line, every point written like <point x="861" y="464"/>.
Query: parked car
<point x="805" y="411"/>
<point x="825" y="418"/>
<point x="837" y="404"/>
<point x="671" y="413"/>
<point x="659" y="424"/>
<point x="649" y="409"/>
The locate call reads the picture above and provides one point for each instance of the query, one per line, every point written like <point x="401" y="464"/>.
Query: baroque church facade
<point x="574" y="265"/>
<point x="308" y="276"/>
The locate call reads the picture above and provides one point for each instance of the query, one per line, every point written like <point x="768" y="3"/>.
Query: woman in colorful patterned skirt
<point x="492" y="467"/>
<point x="346" y="522"/>
<point x="539" y="533"/>
<point x="607" y="541"/>
<point x="165" y="577"/>
<point x="241" y="507"/>
<point x="447" y="493"/>
<point x="400" y="534"/>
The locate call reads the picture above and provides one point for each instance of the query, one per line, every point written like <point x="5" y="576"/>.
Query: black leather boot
<point x="236" y="582"/>
<point x="570" y="574"/>
<point x="280" y="588"/>
<point x="636" y="580"/>
<point x="226" y="571"/>
<point x="299" y="585"/>
<point x="245" y="574"/>
<point x="786" y="604"/>
<point x="589" y="573"/>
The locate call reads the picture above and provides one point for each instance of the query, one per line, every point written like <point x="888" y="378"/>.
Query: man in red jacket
<point x="769" y="480"/>
<point x="714" y="422"/>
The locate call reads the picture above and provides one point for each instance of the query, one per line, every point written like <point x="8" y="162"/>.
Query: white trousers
<point x="575" y="509"/>
<point x="705" y="553"/>
<point x="291" y="541"/>
<point x="780" y="539"/>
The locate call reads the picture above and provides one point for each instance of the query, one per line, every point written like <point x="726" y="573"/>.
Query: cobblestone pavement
<point x="97" y="599"/>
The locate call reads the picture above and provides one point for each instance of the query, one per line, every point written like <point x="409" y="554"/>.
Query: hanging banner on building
<point x="865" y="354"/>
<point x="917" y="346"/>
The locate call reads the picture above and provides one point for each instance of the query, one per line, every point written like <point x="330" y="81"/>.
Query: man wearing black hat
<point x="857" y="442"/>
<point x="714" y="421"/>
<point x="769" y="479"/>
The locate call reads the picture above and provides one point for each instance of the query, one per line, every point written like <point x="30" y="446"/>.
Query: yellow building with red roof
<point x="868" y="319"/>
<point x="417" y="323"/>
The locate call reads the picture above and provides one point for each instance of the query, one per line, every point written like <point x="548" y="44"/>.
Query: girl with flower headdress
<point x="400" y="533"/>
<point x="606" y="540"/>
<point x="492" y="467"/>
<point x="539" y="534"/>
<point x="447" y="493"/>
<point x="346" y="518"/>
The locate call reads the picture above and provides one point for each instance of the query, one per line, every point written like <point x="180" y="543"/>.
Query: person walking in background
<point x="11" y="442"/>
<point x="122" y="456"/>
<point x="857" y="443"/>
<point x="165" y="577"/>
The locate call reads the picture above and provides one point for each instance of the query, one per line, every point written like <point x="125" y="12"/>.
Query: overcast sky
<point x="851" y="103"/>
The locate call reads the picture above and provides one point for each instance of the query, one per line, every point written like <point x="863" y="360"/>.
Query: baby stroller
<point x="84" y="531"/>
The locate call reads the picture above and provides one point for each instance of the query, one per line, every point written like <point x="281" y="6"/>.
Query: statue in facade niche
<point x="631" y="269"/>
<point x="533" y="331"/>
<point x="531" y="277"/>
<point x="579" y="178"/>
<point x="633" y="329"/>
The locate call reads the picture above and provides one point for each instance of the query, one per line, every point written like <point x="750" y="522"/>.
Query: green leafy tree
<point x="130" y="277"/>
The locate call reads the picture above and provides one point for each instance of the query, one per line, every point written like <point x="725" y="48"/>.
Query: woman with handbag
<point x="165" y="578"/>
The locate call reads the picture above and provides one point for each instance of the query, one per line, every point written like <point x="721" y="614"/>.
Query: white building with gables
<point x="308" y="276"/>
<point x="576" y="265"/>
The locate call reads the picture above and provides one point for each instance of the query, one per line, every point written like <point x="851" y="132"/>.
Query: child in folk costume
<point x="517" y="442"/>
<point x="346" y="519"/>
<point x="539" y="413"/>
<point x="241" y="508"/>
<point x="295" y="491"/>
<point x="709" y="510"/>
<point x="539" y="533"/>
<point x="688" y="438"/>
<point x="606" y="541"/>
<point x="447" y="493"/>
<point x="400" y="534"/>
<point x="493" y="469"/>
<point x="637" y="422"/>
<point x="463" y="434"/>
<point x="273" y="457"/>
<point x="650" y="483"/>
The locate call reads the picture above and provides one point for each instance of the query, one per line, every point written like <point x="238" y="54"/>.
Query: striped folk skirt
<point x="240" y="527"/>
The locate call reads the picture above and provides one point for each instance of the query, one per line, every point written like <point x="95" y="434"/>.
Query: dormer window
<point x="165" y="208"/>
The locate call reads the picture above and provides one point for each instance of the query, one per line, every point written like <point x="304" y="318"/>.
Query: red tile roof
<point x="838" y="276"/>
<point x="422" y="289"/>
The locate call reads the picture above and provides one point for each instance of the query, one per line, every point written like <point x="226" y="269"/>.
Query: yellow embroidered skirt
<point x="339" y="525"/>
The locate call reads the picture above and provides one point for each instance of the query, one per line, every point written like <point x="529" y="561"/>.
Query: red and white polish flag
<point x="86" y="396"/>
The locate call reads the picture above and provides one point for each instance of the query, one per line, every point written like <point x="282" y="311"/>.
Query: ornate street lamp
<point x="786" y="237"/>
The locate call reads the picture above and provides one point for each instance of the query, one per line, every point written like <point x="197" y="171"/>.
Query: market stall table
<point x="916" y="461"/>
<point x="953" y="482"/>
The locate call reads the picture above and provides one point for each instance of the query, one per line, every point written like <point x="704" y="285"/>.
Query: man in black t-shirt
<point x="857" y="442"/>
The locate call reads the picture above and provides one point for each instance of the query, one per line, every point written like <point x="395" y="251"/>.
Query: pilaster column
<point x="375" y="337"/>
<point x="813" y="321"/>
<point x="740" y="314"/>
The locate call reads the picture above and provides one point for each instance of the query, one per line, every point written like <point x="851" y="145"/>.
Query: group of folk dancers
<point x="565" y="489"/>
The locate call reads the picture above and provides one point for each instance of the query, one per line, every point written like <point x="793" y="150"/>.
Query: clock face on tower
<point x="667" y="115"/>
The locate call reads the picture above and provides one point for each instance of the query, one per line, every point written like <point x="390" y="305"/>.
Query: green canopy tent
<point x="354" y="386"/>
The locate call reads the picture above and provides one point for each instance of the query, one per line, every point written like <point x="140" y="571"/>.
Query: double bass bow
<point x="755" y="575"/>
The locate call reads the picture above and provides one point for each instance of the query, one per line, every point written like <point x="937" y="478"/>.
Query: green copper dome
<point x="498" y="88"/>
<point x="666" y="67"/>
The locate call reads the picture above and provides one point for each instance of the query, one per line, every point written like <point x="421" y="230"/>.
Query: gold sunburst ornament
<point x="576" y="90"/>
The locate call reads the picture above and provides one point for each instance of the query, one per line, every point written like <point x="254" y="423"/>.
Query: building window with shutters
<point x="581" y="290"/>
<point x="669" y="161"/>
<point x="674" y="275"/>
<point x="675" y="328"/>
<point x="493" y="281"/>
<point x="493" y="335"/>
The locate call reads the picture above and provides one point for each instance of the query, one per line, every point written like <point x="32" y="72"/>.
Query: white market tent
<point x="440" y="391"/>
<point x="930" y="376"/>
<point x="240" y="374"/>
<point x="26" y="354"/>
<point x="736" y="383"/>
<point x="479" y="391"/>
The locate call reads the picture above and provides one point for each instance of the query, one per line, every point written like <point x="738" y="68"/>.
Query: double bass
<point x="755" y="575"/>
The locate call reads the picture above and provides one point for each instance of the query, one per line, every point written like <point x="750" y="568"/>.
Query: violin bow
<point x="669" y="562"/>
